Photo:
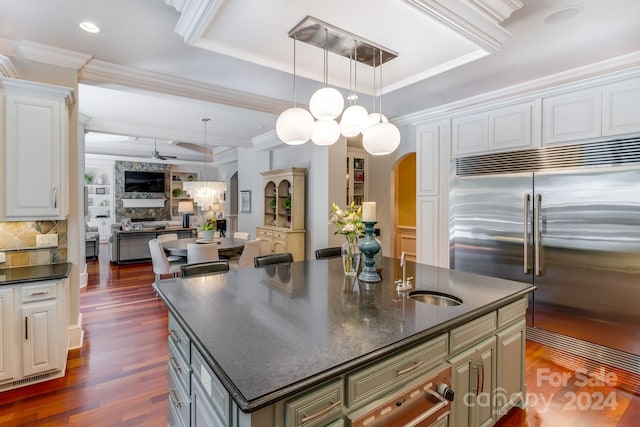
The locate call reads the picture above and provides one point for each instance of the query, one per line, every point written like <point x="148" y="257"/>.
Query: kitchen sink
<point x="435" y="298"/>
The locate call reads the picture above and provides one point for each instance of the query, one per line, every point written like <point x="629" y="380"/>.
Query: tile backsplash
<point x="18" y="242"/>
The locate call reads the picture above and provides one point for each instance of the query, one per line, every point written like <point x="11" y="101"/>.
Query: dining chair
<point x="332" y="252"/>
<point x="204" y="268"/>
<point x="241" y="235"/>
<point x="261" y="261"/>
<point x="160" y="262"/>
<point x="251" y="250"/>
<point x="197" y="252"/>
<point x="165" y="237"/>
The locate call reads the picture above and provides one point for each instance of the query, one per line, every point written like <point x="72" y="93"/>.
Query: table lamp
<point x="186" y="209"/>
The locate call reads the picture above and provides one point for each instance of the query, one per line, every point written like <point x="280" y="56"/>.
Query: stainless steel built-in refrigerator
<point x="566" y="219"/>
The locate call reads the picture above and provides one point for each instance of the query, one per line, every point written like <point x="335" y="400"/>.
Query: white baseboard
<point x="76" y="334"/>
<point x="84" y="278"/>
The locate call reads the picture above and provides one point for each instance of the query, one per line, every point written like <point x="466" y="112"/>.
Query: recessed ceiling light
<point x="563" y="14"/>
<point x="89" y="27"/>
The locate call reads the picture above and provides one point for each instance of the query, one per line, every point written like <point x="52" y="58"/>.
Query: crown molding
<point x="267" y="141"/>
<point x="6" y="68"/>
<point x="106" y="72"/>
<point x="226" y="157"/>
<point x="477" y="20"/>
<point x="610" y="70"/>
<point x="195" y="16"/>
<point x="44" y="53"/>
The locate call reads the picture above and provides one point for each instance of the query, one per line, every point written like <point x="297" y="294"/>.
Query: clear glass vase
<point x="350" y="258"/>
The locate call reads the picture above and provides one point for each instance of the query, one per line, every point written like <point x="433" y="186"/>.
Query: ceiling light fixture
<point x="354" y="119"/>
<point x="206" y="194"/>
<point x="89" y="27"/>
<point x="382" y="137"/>
<point x="294" y="125"/>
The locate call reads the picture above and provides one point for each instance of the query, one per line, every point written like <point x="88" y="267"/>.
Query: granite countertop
<point x="154" y="230"/>
<point x="15" y="275"/>
<point x="271" y="332"/>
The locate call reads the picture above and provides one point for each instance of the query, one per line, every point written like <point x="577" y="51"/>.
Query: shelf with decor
<point x="283" y="212"/>
<point x="177" y="192"/>
<point x="357" y="175"/>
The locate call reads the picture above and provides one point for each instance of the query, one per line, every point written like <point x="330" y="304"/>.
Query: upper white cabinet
<point x="621" y="107"/>
<point x="500" y="129"/>
<point x="602" y="111"/>
<point x="34" y="149"/>
<point x="572" y="116"/>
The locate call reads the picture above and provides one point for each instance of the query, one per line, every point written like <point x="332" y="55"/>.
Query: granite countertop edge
<point x="291" y="389"/>
<point x="34" y="273"/>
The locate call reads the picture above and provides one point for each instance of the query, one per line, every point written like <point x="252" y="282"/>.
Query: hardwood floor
<point x="119" y="377"/>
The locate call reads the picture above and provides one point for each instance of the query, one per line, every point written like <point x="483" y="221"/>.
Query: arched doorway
<point x="404" y="173"/>
<point x="232" y="195"/>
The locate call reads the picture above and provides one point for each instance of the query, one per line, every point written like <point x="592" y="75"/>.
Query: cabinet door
<point x="7" y="346"/>
<point x="485" y="369"/>
<point x="573" y="116"/>
<point x="39" y="337"/>
<point x="510" y="368"/>
<point x="510" y="127"/>
<point x="202" y="412"/>
<point x="621" y="108"/>
<point x="463" y="383"/>
<point x="35" y="132"/>
<point x="470" y="134"/>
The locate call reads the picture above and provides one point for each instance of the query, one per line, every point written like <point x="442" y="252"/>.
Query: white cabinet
<point x="357" y="176"/>
<point x="572" y="116"/>
<point x="35" y="331"/>
<point x="473" y="379"/>
<point x="34" y="149"/>
<point x="7" y="332"/>
<point x="621" y="108"/>
<point x="509" y="128"/>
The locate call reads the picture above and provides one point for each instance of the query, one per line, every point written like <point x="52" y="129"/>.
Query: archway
<point x="404" y="173"/>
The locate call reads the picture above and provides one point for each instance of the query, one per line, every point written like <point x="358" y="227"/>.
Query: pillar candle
<point x="369" y="211"/>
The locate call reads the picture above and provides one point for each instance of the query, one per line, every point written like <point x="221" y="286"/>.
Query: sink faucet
<point x="405" y="283"/>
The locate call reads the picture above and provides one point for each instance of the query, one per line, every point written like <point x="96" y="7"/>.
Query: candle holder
<point x="369" y="246"/>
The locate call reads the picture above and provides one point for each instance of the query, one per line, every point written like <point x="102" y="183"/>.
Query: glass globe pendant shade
<point x="326" y="103"/>
<point x="294" y="126"/>
<point x="354" y="120"/>
<point x="325" y="132"/>
<point x="380" y="139"/>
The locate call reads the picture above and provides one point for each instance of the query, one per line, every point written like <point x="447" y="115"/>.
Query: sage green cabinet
<point x="473" y="380"/>
<point x="510" y="383"/>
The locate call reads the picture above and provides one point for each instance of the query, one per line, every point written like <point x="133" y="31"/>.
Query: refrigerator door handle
<point x="536" y="235"/>
<point x="527" y="200"/>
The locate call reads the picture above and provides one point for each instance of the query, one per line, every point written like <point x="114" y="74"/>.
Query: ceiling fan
<point x="155" y="154"/>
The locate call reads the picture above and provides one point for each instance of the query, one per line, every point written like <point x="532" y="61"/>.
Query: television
<point x="147" y="182"/>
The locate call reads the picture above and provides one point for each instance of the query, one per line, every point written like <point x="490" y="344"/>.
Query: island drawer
<point x="179" y="337"/>
<point x="379" y="377"/>
<point x="214" y="391"/>
<point x="178" y="365"/>
<point x="317" y="408"/>
<point x="471" y="332"/>
<point x="179" y="401"/>
<point x="39" y="292"/>
<point x="512" y="312"/>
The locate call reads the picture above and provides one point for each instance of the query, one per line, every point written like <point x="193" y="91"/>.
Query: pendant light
<point x="326" y="104"/>
<point x="383" y="137"/>
<point x="206" y="194"/>
<point x="294" y="125"/>
<point x="374" y="117"/>
<point x="355" y="118"/>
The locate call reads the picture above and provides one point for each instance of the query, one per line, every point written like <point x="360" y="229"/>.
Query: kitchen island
<point x="301" y="344"/>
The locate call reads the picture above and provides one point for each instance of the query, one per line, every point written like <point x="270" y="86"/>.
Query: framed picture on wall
<point x="245" y="201"/>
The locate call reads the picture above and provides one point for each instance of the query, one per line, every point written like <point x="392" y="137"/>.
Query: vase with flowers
<point x="349" y="223"/>
<point x="208" y="228"/>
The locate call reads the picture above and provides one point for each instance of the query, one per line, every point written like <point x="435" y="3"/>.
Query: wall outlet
<point x="46" y="241"/>
<point x="3" y="257"/>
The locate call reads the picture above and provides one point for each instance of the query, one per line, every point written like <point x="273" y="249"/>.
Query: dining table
<point x="227" y="246"/>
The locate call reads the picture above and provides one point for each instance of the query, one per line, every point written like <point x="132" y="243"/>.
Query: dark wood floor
<point x="119" y="377"/>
